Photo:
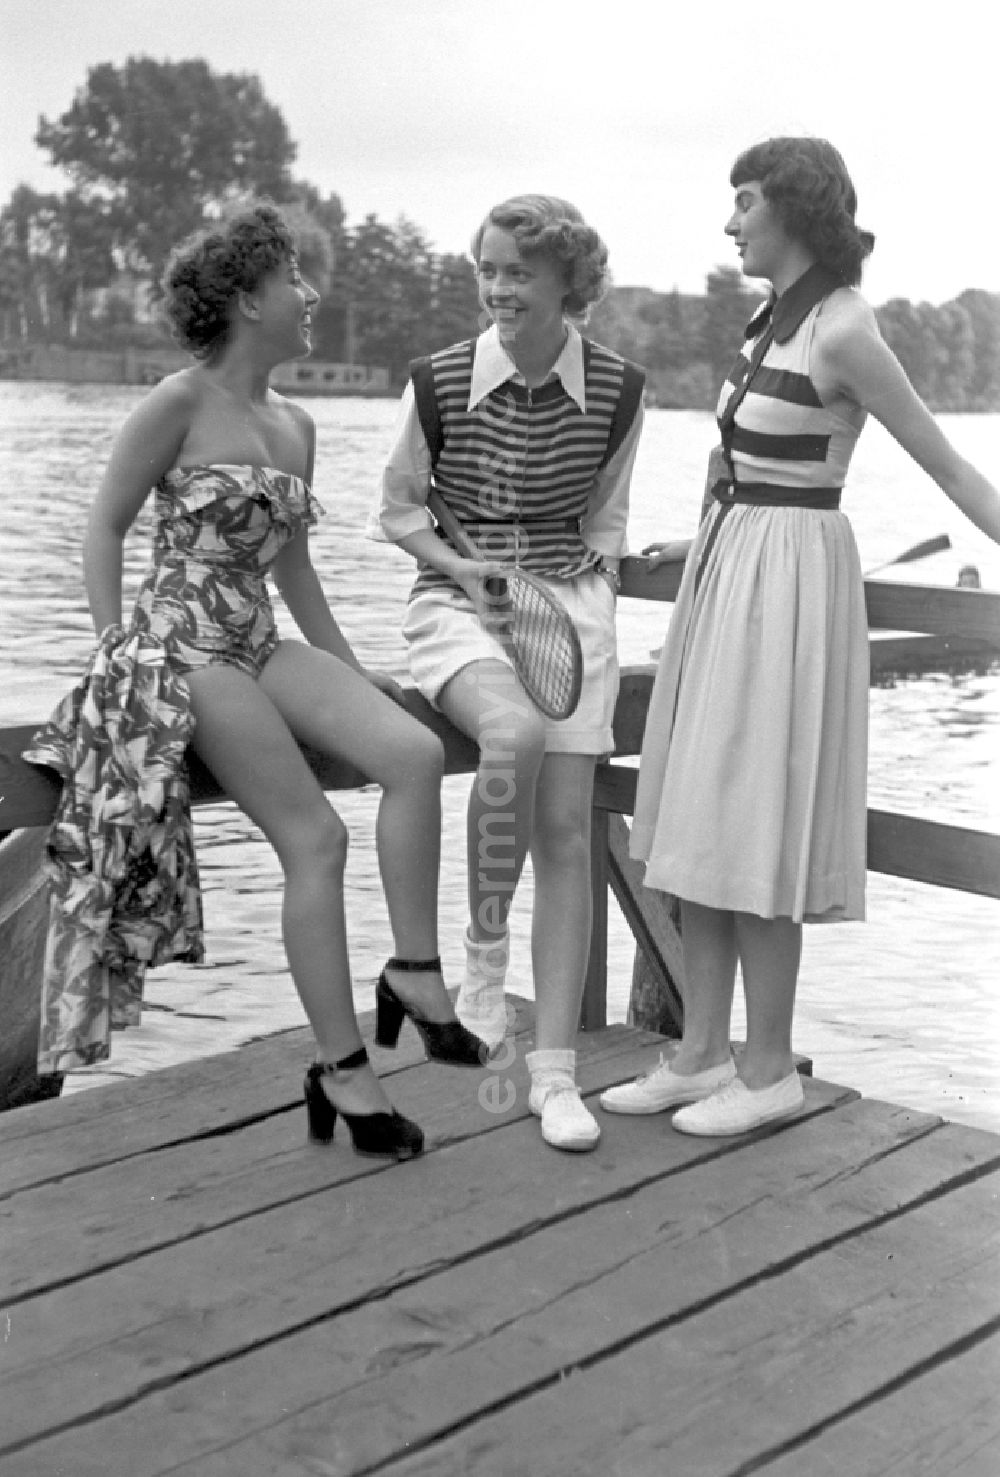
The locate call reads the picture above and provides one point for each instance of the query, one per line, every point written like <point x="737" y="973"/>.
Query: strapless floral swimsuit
<point x="218" y="530"/>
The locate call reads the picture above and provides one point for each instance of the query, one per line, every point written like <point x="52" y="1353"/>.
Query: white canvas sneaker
<point x="664" y="1088"/>
<point x="566" y="1122"/>
<point x="737" y="1108"/>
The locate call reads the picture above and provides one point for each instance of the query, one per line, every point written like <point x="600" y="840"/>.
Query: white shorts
<point x="444" y="634"/>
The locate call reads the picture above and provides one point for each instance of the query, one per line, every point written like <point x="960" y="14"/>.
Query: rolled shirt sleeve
<point x="604" y="528"/>
<point x="406" y="479"/>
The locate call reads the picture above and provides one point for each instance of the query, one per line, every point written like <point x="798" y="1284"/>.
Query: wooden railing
<point x="902" y="846"/>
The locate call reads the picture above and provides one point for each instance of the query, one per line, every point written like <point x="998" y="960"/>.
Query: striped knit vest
<point x="783" y="434"/>
<point x="519" y="469"/>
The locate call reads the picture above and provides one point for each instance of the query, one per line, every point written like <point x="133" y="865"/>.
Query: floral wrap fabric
<point x="120" y="854"/>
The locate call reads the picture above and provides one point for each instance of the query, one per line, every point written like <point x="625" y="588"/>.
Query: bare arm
<point x="146" y="447"/>
<point x="851" y="359"/>
<point x="298" y="582"/>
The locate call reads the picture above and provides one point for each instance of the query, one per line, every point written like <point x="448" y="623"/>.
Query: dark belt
<point x="763" y="495"/>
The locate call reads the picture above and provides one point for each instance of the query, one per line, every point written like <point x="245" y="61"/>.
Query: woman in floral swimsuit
<point x="231" y="462"/>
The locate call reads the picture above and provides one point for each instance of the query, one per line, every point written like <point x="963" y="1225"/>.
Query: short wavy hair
<point x="205" y="273"/>
<point x="546" y="226"/>
<point x="806" y="183"/>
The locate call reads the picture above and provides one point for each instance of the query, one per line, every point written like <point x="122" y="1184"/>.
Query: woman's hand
<point x="471" y="575"/>
<point x="673" y="551"/>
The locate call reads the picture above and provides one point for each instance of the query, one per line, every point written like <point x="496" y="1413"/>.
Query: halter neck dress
<point x="125" y="892"/>
<point x="752" y="786"/>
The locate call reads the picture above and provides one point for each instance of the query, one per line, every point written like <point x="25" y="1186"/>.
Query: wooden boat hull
<point x="907" y="656"/>
<point x="24" y="904"/>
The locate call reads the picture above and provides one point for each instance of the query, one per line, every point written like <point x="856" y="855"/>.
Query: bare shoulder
<point x="296" y="414"/>
<point x="845" y="316"/>
<point x="174" y="399"/>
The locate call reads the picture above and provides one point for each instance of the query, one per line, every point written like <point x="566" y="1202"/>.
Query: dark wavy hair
<point x="806" y="182"/>
<point x="546" y="226"/>
<point x="205" y="273"/>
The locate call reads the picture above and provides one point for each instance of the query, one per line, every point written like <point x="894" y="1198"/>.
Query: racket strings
<point x="544" y="643"/>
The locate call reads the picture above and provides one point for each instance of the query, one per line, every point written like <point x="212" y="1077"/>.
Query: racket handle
<point x="443" y="515"/>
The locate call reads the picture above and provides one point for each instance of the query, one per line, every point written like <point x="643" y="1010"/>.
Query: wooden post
<point x="594" y="1009"/>
<point x="656" y="1002"/>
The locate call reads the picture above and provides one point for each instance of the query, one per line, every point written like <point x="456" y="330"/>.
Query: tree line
<point x="153" y="150"/>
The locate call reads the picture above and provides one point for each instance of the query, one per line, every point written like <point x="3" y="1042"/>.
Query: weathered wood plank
<point x="902" y="846"/>
<point x="891" y="606"/>
<point x="162" y="1317"/>
<point x="650" y="916"/>
<point x="942" y="1423"/>
<point x="594" y="1007"/>
<point x="927" y="851"/>
<point x="716" y="1393"/>
<point x="62" y="1229"/>
<point x="28" y="794"/>
<point x="391" y="1374"/>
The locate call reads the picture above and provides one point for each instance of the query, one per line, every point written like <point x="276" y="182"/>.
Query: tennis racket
<point x="533" y="625"/>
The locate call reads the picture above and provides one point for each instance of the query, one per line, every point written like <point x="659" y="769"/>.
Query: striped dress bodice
<point x="783" y="434"/>
<point x="519" y="468"/>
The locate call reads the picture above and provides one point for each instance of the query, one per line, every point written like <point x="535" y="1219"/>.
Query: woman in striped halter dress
<point x="751" y="802"/>
<point x="528" y="433"/>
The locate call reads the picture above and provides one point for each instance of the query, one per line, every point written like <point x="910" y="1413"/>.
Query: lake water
<point x="904" y="1007"/>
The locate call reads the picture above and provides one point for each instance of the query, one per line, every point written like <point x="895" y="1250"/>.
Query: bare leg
<point x="709" y="940"/>
<point x="770" y="951"/>
<point x="334" y="708"/>
<point x="486" y="702"/>
<point x="246" y="743"/>
<point x="561" y="920"/>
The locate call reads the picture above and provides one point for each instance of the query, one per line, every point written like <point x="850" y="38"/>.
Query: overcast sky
<point x="436" y="109"/>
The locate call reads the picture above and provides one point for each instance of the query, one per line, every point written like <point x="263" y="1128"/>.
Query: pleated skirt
<point x="752" y="782"/>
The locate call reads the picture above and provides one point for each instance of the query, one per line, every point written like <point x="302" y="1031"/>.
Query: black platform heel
<point x="444" y="1041"/>
<point x="381" y="1134"/>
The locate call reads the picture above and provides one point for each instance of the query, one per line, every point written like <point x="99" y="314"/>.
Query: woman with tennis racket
<point x="523" y="441"/>
<point x="751" y="804"/>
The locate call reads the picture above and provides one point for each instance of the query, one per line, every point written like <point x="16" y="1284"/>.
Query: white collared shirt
<point x="406" y="479"/>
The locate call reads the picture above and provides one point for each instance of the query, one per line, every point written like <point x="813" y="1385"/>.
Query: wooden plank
<point x="891" y="606"/>
<point x="60" y="1230"/>
<point x="28" y="794"/>
<point x="594" y="1008"/>
<point x="932" y="609"/>
<point x="715" y="1394"/>
<point x="393" y="1373"/>
<point x="649" y="915"/>
<point x="927" y="851"/>
<point x="902" y="846"/>
<point x="151" y="1319"/>
<point x="944" y="1422"/>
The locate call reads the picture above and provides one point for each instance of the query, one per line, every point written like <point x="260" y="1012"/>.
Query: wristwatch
<point x="614" y="579"/>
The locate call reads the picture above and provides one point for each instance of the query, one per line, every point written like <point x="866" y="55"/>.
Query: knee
<point x="323" y="844"/>
<point x="562" y="837"/>
<point x="517" y="745"/>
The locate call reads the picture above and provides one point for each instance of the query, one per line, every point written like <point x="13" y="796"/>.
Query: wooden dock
<point x="189" y="1287"/>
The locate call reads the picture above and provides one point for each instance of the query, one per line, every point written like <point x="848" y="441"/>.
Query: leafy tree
<point x="983" y="387"/>
<point x="163" y="143"/>
<point x="455" y="306"/>
<point x="728" y="308"/>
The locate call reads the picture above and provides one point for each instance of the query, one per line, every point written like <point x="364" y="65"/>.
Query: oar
<point x="919" y="551"/>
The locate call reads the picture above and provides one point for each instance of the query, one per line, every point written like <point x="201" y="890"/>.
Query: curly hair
<point x="544" y="225"/>
<point x="806" y="182"/>
<point x="205" y="273"/>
